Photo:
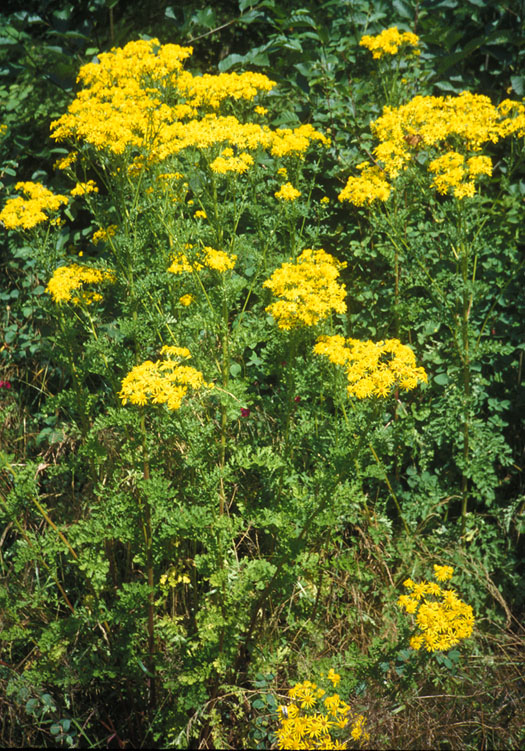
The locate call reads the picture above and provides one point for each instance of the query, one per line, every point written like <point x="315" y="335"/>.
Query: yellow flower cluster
<point x="218" y="260"/>
<point x="171" y="578"/>
<point x="82" y="189"/>
<point x="333" y="677"/>
<point x="453" y="126"/>
<point x="442" y="619"/>
<point x="139" y="97"/>
<point x="213" y="129"/>
<point x="227" y="162"/>
<point x="163" y="381"/>
<point x="66" y="161"/>
<point x="372" y="368"/>
<point x="285" y="141"/>
<point x="308" y="288"/>
<point x="513" y="114"/>
<point x="287" y="192"/>
<point x="210" y="90"/>
<point x="104" y="233"/>
<point x="367" y="188"/>
<point x="67" y="279"/>
<point x="300" y="728"/>
<point x="389" y="41"/>
<point x="26" y="213"/>
<point x="443" y="573"/>
<point x="454" y="174"/>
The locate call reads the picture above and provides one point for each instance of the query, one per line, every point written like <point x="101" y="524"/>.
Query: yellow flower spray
<point x="442" y="619"/>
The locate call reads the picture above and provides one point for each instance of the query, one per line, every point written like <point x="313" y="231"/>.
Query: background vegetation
<point x="330" y="508"/>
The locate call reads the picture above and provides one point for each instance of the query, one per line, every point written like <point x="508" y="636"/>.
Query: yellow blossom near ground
<point x="313" y="720"/>
<point x="372" y="368"/>
<point x="443" y="573"/>
<point x="389" y="41"/>
<point x="186" y="300"/>
<point x="333" y="677"/>
<point x="308" y="289"/>
<point x="210" y="90"/>
<point x="67" y="279"/>
<point x="442" y="618"/>
<point x="218" y="260"/>
<point x="171" y="578"/>
<point x="164" y="381"/>
<point x="26" y="213"/>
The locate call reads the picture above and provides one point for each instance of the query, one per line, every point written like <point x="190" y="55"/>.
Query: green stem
<point x="225" y="381"/>
<point x="77" y="386"/>
<point x="466" y="372"/>
<point x="30" y="544"/>
<point x="391" y="490"/>
<point x="148" y="541"/>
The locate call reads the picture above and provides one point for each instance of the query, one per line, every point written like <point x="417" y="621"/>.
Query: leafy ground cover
<point x="261" y="448"/>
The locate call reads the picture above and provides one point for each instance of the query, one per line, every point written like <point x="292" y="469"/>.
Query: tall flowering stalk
<point x="167" y="382"/>
<point x="436" y="146"/>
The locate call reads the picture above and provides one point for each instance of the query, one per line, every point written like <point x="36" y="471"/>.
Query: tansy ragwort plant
<point x="171" y="167"/>
<point x="199" y="243"/>
<point x="395" y="51"/>
<point x="433" y="154"/>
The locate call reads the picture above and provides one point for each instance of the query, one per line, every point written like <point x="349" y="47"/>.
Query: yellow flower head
<point x="333" y="677"/>
<point x="26" y="213"/>
<point x="442" y="619"/>
<point x="443" y="573"/>
<point x="163" y="381"/>
<point x="287" y="192"/>
<point x="104" y="234"/>
<point x="82" y="189"/>
<point x="226" y="162"/>
<point x="372" y="369"/>
<point x="370" y="186"/>
<point x="389" y="41"/>
<point x="66" y="161"/>
<point x="308" y="290"/>
<point x="67" y="279"/>
<point x="218" y="260"/>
